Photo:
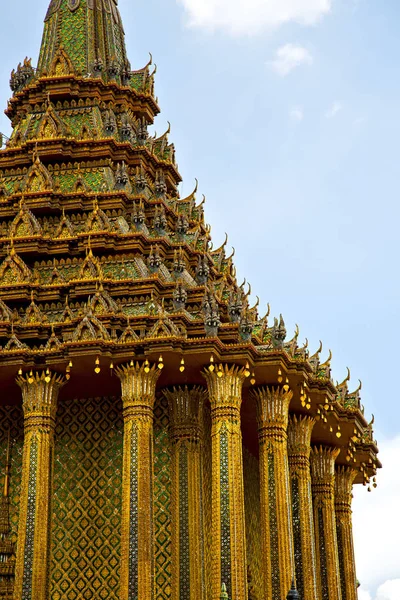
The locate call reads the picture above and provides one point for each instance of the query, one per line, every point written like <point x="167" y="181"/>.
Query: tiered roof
<point x="102" y="261"/>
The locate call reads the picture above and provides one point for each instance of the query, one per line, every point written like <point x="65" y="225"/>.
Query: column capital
<point x="299" y="435"/>
<point x="344" y="480"/>
<point x="322" y="460"/>
<point x="39" y="397"/>
<point x="138" y="385"/>
<point x="323" y="463"/>
<point x="225" y="386"/>
<point x="186" y="411"/>
<point x="272" y="404"/>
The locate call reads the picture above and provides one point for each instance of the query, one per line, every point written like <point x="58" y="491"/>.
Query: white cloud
<point x="364" y="595"/>
<point x="290" y="57"/>
<point x="377" y="529"/>
<point x="390" y="590"/>
<point x="333" y="110"/>
<point x="296" y="113"/>
<point x="243" y="17"/>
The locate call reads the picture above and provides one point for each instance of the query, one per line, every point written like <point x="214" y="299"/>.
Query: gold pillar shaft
<point x="39" y="401"/>
<point x="299" y="448"/>
<point x="228" y="545"/>
<point x="138" y="383"/>
<point x="186" y="431"/>
<point x="344" y="480"/>
<point x="323" y="482"/>
<point x="276" y="520"/>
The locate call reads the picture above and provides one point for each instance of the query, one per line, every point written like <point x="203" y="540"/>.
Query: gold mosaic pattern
<point x="87" y="500"/>
<point x="207" y="499"/>
<point x="11" y="419"/>
<point x="73" y="35"/>
<point x="251" y="472"/>
<point x="162" y="500"/>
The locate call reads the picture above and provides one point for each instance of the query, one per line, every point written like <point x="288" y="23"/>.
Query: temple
<point x="159" y="438"/>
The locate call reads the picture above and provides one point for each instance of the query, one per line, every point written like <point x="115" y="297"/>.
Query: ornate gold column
<point x="344" y="480"/>
<point x="186" y="430"/>
<point x="138" y="383"/>
<point x="228" y="545"/>
<point x="299" y="448"/>
<point x="323" y="489"/>
<point x="39" y="402"/>
<point x="276" y="519"/>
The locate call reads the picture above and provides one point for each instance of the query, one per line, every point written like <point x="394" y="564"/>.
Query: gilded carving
<point x="228" y="535"/>
<point x="272" y="404"/>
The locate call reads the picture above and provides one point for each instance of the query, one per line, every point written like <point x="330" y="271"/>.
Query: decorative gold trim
<point x="323" y="480"/>
<point x="39" y="401"/>
<point x="299" y="448"/>
<point x="186" y="432"/>
<point x="225" y="390"/>
<point x="138" y="383"/>
<point x="272" y="405"/>
<point x="344" y="480"/>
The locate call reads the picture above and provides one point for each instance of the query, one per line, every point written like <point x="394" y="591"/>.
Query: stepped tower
<point x="167" y="440"/>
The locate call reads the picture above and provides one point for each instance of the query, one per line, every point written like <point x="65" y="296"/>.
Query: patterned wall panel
<point x="253" y="519"/>
<point x="87" y="500"/>
<point x="11" y="419"/>
<point x="162" y="500"/>
<point x="208" y="524"/>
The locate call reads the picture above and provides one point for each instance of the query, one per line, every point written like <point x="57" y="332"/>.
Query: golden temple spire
<point x="86" y="35"/>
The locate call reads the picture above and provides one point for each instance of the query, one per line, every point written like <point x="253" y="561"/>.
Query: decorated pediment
<point x="97" y="220"/>
<point x="14" y="345"/>
<point x="90" y="329"/>
<point x="65" y="228"/>
<point x="38" y="179"/>
<point x="25" y="223"/>
<point x="51" y="126"/>
<point x="129" y="336"/>
<point x="13" y="270"/>
<point x="91" y="268"/>
<point x="33" y="315"/>
<point x="61" y="64"/>
<point x="164" y="328"/>
<point x="53" y="343"/>
<point x="102" y="303"/>
<point x="6" y="315"/>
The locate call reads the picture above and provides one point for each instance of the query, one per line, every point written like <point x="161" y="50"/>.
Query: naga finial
<point x="346" y="380"/>
<point x="327" y="363"/>
<point x="318" y="352"/>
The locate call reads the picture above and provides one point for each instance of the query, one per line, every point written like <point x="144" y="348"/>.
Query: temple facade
<point x="159" y="438"/>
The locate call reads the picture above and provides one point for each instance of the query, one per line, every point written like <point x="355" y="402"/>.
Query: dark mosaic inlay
<point x="322" y="553"/>
<point x="30" y="521"/>
<point x="133" y="513"/>
<point x="225" y="513"/>
<point x="273" y="528"/>
<point x="184" y="549"/>
<point x="298" y="555"/>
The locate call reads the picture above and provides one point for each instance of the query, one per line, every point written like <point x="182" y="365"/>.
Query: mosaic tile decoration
<point x="11" y="418"/>
<point x="86" y="534"/>
<point x="251" y="474"/>
<point x="162" y="500"/>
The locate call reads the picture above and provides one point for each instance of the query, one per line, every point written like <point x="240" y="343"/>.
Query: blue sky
<point x="287" y="111"/>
